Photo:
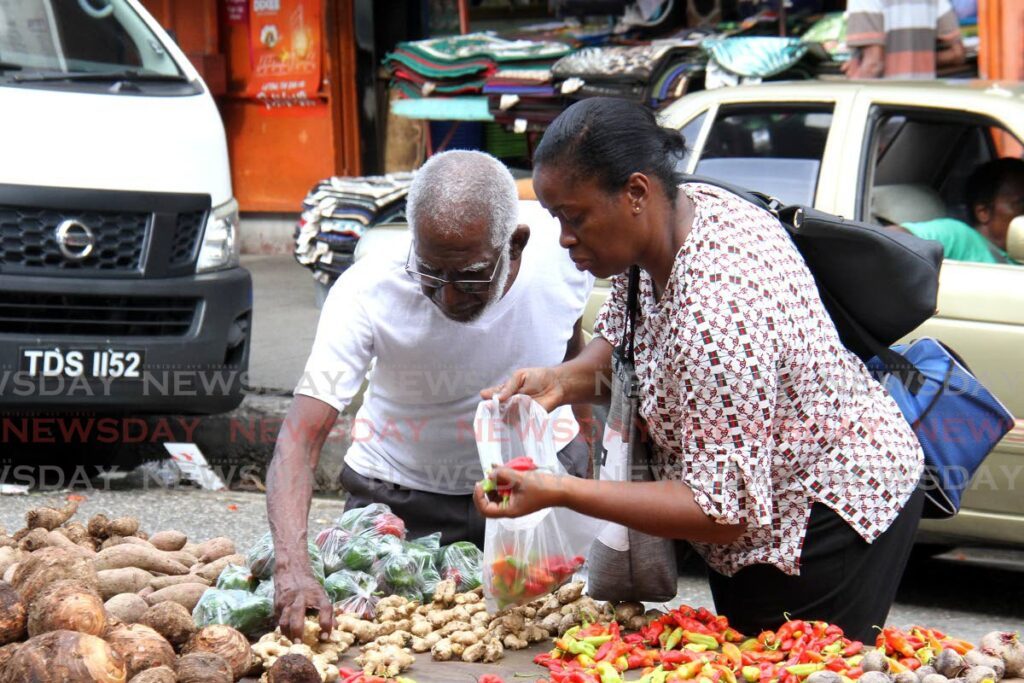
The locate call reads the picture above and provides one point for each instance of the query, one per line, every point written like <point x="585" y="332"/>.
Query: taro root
<point x="49" y="565"/>
<point x="126" y="607"/>
<point x="202" y="667"/>
<point x="824" y="676"/>
<point x="141" y="647"/>
<point x="161" y="674"/>
<point x="67" y="605"/>
<point x="170" y="620"/>
<point x="64" y="657"/>
<point x="906" y="677"/>
<point x="226" y="642"/>
<point x="923" y="671"/>
<point x="12" y="615"/>
<point x="1006" y="646"/>
<point x="6" y="652"/>
<point x="293" y="668"/>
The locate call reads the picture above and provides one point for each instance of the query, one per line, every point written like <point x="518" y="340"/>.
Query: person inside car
<point x="775" y="454"/>
<point x="994" y="196"/>
<point x="483" y="288"/>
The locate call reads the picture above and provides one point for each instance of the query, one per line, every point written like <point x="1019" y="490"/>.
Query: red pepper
<point x="897" y="641"/>
<point x="767" y="639"/>
<point x="834" y="630"/>
<point x="690" y="624"/>
<point x="836" y="664"/>
<point x="523" y="463"/>
<point x="490" y="678"/>
<point x="602" y="652"/>
<point x="790" y="630"/>
<point x="912" y="663"/>
<point x="853" y="648"/>
<point x="855" y="673"/>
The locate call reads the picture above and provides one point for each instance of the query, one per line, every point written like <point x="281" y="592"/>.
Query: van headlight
<point x="220" y="239"/>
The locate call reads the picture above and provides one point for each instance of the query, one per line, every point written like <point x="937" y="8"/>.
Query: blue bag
<point x="957" y="420"/>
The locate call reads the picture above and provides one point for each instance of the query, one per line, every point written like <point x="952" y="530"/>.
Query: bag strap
<point x="628" y="334"/>
<point x="893" y="361"/>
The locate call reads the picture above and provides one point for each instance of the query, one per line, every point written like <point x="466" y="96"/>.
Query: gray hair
<point x="464" y="187"/>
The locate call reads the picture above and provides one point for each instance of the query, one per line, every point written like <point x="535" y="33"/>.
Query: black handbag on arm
<point x="626" y="564"/>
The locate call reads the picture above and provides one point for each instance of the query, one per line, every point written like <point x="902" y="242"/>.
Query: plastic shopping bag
<point x="530" y="556"/>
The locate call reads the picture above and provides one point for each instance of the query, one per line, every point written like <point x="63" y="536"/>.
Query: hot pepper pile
<point x="695" y="644"/>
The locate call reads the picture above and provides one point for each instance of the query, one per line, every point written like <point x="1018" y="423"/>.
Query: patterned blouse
<point x="750" y="397"/>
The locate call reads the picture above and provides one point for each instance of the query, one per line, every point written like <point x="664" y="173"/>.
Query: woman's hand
<point x="526" y="492"/>
<point x="543" y="385"/>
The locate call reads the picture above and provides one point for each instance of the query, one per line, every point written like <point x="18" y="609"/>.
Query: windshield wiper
<point x="102" y="77"/>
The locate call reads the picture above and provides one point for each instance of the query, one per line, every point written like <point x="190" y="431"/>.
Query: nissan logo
<point x="75" y="240"/>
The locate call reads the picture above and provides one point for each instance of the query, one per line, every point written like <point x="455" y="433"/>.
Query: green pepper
<point x="751" y="674"/>
<point x="710" y="642"/>
<point x="695" y="647"/>
<point x="608" y="673"/>
<point x="597" y="641"/>
<point x="804" y="670"/>
<point x="673" y="639"/>
<point x="925" y="655"/>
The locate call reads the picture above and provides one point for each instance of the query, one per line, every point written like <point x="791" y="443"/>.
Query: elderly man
<point x="483" y="289"/>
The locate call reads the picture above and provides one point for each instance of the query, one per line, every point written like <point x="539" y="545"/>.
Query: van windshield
<point x="42" y="39"/>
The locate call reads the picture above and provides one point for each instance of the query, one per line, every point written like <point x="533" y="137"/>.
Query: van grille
<point x="28" y="239"/>
<point x="186" y="237"/>
<point x="95" y="315"/>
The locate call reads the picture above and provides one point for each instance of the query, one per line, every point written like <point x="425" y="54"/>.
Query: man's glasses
<point x="465" y="286"/>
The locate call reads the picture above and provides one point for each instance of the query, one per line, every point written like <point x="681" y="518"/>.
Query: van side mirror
<point x="1015" y="239"/>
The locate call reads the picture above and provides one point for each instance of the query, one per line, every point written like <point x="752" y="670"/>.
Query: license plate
<point x="92" y="363"/>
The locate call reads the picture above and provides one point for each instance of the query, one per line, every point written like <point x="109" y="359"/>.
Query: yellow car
<point x="851" y="148"/>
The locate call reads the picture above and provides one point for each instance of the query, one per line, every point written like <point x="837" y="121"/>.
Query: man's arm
<point x="289" y="492"/>
<point x="869" y="63"/>
<point x="951" y="53"/>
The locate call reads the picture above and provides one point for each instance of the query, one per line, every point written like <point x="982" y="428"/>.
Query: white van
<point x="119" y="280"/>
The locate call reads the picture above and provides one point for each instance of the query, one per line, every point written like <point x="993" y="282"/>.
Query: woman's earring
<point x="636" y="208"/>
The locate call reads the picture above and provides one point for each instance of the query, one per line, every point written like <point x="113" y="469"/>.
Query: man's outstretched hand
<point x="295" y="592"/>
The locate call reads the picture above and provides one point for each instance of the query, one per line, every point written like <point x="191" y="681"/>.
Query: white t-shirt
<point x="415" y="427"/>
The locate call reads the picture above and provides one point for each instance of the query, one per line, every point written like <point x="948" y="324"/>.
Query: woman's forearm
<point x="660" y="508"/>
<point x="585" y="378"/>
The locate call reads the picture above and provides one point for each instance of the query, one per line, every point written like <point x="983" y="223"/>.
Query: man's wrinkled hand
<point x="295" y="592"/>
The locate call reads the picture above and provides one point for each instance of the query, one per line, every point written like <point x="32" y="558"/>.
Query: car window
<point x="925" y="157"/>
<point x="919" y="164"/>
<point x="772" y="149"/>
<point x="690" y="132"/>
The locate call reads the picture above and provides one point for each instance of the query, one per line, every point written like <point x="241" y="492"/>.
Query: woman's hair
<point x="986" y="181"/>
<point x="609" y="139"/>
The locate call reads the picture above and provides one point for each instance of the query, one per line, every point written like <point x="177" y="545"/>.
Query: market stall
<point x="105" y="602"/>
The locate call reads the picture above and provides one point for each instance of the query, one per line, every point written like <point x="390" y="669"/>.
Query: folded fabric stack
<point x="522" y="95"/>
<point x="652" y="74"/>
<point x="337" y="212"/>
<point x="460" y="65"/>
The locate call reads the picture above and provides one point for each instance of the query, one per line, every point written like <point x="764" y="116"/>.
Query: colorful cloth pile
<point x="652" y="74"/>
<point x="337" y="212"/>
<point x="460" y="65"/>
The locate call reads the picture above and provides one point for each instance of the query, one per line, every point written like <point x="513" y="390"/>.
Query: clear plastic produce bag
<point x="376" y="517"/>
<point x="331" y="542"/>
<point x="462" y="562"/>
<point x="355" y="593"/>
<point x="235" y="577"/>
<point x="405" y="572"/>
<point x="260" y="559"/>
<point x="344" y="584"/>
<point x="251" y="614"/>
<point x="530" y="556"/>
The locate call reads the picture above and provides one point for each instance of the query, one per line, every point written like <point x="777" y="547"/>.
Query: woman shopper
<point x="776" y="456"/>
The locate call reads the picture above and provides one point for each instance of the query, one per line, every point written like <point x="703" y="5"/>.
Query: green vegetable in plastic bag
<point x="462" y="562"/>
<point x="424" y="553"/>
<point x="260" y="559"/>
<point x="235" y="577"/>
<point x="331" y="542"/>
<point x="359" y="553"/>
<point x="347" y="583"/>
<point x="265" y="590"/>
<point x="248" y="613"/>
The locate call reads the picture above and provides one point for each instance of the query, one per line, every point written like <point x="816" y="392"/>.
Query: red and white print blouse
<point x="750" y="397"/>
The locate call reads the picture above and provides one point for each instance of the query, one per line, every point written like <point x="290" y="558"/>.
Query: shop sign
<point x="284" y="47"/>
